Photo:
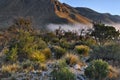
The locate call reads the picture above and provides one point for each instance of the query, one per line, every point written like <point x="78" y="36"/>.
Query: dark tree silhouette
<point x="103" y="33"/>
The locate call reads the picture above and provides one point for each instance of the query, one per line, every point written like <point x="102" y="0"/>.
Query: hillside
<point x="97" y="17"/>
<point x="32" y="54"/>
<point x="42" y="12"/>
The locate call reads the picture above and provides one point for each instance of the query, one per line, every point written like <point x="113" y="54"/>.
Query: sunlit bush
<point x="82" y="50"/>
<point x="10" y="68"/>
<point x="23" y="46"/>
<point x="47" y="52"/>
<point x="37" y="56"/>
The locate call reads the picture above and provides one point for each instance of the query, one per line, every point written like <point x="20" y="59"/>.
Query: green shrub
<point x="65" y="44"/>
<point x="59" y="52"/>
<point x="61" y="63"/>
<point x="55" y="40"/>
<point x="97" y="70"/>
<point x="12" y="54"/>
<point x="6" y="51"/>
<point x="108" y="52"/>
<point x="24" y="45"/>
<point x="40" y="44"/>
<point x="82" y="50"/>
<point x="90" y="41"/>
<point x="49" y="36"/>
<point x="62" y="73"/>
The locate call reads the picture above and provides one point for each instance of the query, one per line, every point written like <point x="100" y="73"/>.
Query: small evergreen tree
<point x="103" y="33"/>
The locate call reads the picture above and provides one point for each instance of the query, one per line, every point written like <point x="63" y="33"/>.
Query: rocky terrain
<point x="27" y="53"/>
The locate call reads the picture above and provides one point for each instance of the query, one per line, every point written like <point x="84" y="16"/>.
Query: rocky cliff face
<point x="41" y="11"/>
<point x="69" y="13"/>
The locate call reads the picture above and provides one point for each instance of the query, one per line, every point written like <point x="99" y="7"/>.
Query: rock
<point x="84" y="59"/>
<point x="44" y="73"/>
<point x="36" y="72"/>
<point x="77" y="67"/>
<point x="80" y="77"/>
<point x="83" y="68"/>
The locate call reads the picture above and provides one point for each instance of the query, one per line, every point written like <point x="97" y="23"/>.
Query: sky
<point x="103" y="6"/>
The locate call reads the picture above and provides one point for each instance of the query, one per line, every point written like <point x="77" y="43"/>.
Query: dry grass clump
<point x="43" y="67"/>
<point x="10" y="68"/>
<point x="71" y="59"/>
<point x="113" y="73"/>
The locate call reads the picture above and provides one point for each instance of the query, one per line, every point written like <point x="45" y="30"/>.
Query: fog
<point x="117" y="26"/>
<point x="75" y="27"/>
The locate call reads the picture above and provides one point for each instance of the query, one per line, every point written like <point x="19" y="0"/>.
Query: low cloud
<point x="117" y="26"/>
<point x="75" y="27"/>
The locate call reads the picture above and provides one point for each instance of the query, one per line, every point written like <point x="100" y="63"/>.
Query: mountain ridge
<point x="95" y="16"/>
<point x="42" y="11"/>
